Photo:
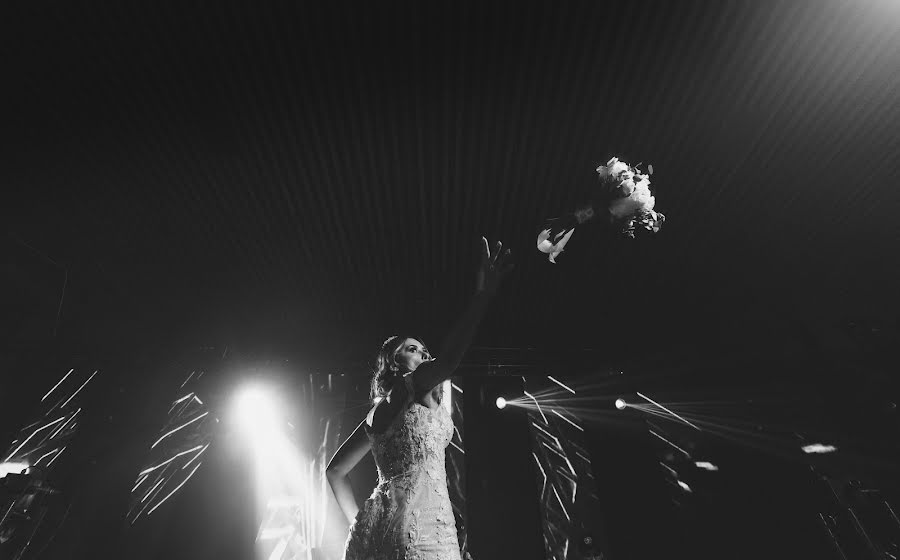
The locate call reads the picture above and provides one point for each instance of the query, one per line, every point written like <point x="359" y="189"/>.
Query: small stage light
<point x="501" y="402"/>
<point x="621" y="404"/>
<point x="819" y="448"/>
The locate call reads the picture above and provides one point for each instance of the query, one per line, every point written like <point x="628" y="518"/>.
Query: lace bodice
<point x="409" y="515"/>
<point x="418" y="441"/>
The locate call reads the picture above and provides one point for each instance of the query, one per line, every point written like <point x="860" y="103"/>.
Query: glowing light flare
<point x="446" y="400"/>
<point x="275" y="533"/>
<point x="819" y="448"/>
<point x="621" y="404"/>
<point x="14" y="468"/>
<point x="501" y="403"/>
<point x="257" y="411"/>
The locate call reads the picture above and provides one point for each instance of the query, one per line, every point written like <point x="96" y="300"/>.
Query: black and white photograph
<point x="450" y="280"/>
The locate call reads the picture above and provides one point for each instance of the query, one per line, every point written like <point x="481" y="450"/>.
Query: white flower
<point x="639" y="201"/>
<point x="615" y="166"/>
<point x="627" y="187"/>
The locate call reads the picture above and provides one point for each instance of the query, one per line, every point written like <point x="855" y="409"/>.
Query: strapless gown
<point x="409" y="515"/>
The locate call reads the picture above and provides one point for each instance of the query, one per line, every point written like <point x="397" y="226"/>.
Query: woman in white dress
<point x="409" y="515"/>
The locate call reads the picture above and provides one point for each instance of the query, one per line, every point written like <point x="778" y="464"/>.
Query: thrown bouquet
<point x="623" y="195"/>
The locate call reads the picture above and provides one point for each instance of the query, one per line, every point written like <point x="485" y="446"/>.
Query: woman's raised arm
<point x="490" y="273"/>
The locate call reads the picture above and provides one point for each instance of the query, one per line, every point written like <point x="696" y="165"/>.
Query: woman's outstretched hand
<point x="492" y="268"/>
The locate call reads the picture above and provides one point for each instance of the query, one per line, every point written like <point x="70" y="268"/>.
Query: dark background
<point x="304" y="179"/>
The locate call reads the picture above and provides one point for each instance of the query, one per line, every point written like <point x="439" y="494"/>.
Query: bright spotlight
<point x="501" y="402"/>
<point x="14" y="468"/>
<point x="256" y="410"/>
<point x="621" y="404"/>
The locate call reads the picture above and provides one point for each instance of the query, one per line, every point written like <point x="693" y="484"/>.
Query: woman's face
<point x="411" y="354"/>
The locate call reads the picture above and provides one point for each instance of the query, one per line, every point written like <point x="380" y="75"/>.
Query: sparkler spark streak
<point x="57" y="384"/>
<point x="561" y="384"/>
<point x="566" y="419"/>
<point x="34" y="433"/>
<point x="66" y="423"/>
<point x="188" y="477"/>
<point x="188" y="379"/>
<point x="55" y="457"/>
<point x="562" y="455"/>
<point x="536" y="460"/>
<point x="169" y="460"/>
<point x="530" y="396"/>
<point x="558" y="499"/>
<point x="670" y="443"/>
<point x="194" y="458"/>
<point x="182" y="399"/>
<point x="189" y="422"/>
<point x="80" y="388"/>
<point x="584" y="458"/>
<point x="670" y="469"/>
<point x="548" y="434"/>
<point x="460" y="449"/>
<point x="669" y="411"/>
<point x="140" y="481"/>
<point x="155" y="486"/>
<point x="44" y="455"/>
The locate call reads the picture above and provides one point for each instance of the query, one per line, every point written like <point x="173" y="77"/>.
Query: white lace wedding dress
<point x="409" y="515"/>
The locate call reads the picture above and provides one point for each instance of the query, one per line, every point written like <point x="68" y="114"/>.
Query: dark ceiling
<point x="310" y="178"/>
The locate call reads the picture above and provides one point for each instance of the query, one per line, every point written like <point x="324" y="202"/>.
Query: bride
<point x="409" y="515"/>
